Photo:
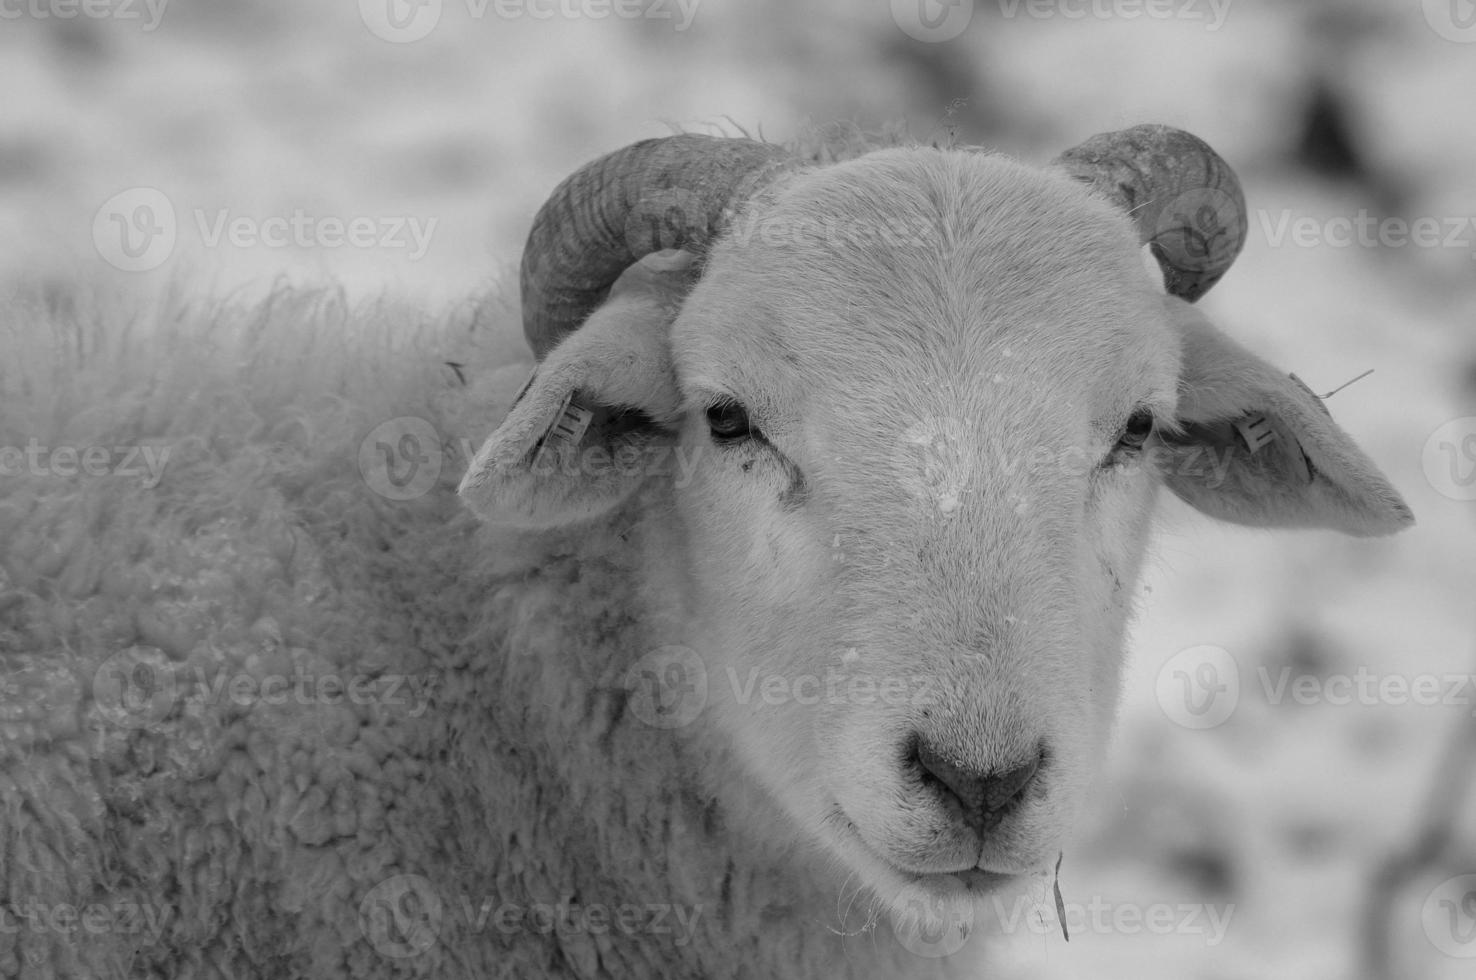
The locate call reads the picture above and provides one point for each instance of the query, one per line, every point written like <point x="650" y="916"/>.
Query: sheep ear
<point x="1257" y="447"/>
<point x="583" y="434"/>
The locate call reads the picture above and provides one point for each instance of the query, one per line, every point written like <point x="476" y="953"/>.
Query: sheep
<point x="777" y="620"/>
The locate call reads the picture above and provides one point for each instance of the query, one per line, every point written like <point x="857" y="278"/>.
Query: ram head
<point x="920" y="403"/>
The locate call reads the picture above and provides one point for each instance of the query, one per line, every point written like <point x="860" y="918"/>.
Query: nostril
<point x="1002" y="787"/>
<point x="981" y="794"/>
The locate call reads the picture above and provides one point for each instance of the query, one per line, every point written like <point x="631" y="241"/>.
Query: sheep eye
<point x="729" y="422"/>
<point x="1136" y="432"/>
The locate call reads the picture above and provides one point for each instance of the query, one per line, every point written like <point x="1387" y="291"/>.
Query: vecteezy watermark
<point x="836" y="231"/>
<point x="299" y="229"/>
<point x="401" y="916"/>
<point x="942" y="461"/>
<point x="121" y="918"/>
<point x="1367" y="688"/>
<point x="1454" y="20"/>
<point x="148" y="13"/>
<point x="1449" y="459"/>
<point x="831" y="686"/>
<point x="402" y="459"/>
<point x="1202" y="229"/>
<point x="1213" y="12"/>
<point x="933" y="21"/>
<point x="1449" y="916"/>
<point x="406" y="21"/>
<point x="140" y="687"/>
<point x="36" y="459"/>
<point x="675" y="217"/>
<point x="404" y="916"/>
<point x="137" y="230"/>
<point x="670" y="686"/>
<point x="135" y="688"/>
<point x="933" y="921"/>
<point x="1101" y="916"/>
<point x="597" y="461"/>
<point x="667" y="688"/>
<point x="1365" y="230"/>
<point x="1199" y="687"/>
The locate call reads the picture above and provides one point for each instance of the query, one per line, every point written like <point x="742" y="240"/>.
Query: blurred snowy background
<point x="134" y="132"/>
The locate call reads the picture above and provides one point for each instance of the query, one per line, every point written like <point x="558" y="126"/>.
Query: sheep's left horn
<point x="1183" y="197"/>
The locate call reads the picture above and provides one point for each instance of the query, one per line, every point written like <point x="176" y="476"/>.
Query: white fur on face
<point x="924" y="544"/>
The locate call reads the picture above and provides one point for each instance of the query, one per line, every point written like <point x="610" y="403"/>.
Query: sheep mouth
<point x="981" y="881"/>
<point x="977" y="881"/>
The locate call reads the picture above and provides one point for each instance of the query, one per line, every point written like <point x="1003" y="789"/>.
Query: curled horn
<point x="1182" y="196"/>
<point x="658" y="194"/>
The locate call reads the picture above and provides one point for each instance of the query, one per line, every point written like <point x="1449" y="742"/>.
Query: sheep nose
<point x="983" y="795"/>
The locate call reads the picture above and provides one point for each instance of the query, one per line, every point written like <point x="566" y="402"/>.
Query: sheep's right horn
<point x="654" y="195"/>
<point x="1183" y="197"/>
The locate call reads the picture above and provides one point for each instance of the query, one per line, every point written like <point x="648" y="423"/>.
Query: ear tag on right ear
<point x="1255" y="431"/>
<point x="568" y="428"/>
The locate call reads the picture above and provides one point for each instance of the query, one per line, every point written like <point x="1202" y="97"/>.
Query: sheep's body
<point x="244" y="841"/>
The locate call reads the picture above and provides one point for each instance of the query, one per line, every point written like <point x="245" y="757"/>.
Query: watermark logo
<point x="37" y="459"/>
<point x="933" y="21"/>
<point x="149" y="12"/>
<point x="1362" y="229"/>
<point x="940" y="461"/>
<point x="1199" y="229"/>
<point x="406" y="915"/>
<point x="1102" y="917"/>
<point x="139" y="687"/>
<point x="407" y="21"/>
<point x="833" y="687"/>
<point x="667" y="687"/>
<point x="401" y="459"/>
<point x="401" y="916"/>
<point x="1199" y="687"/>
<point x="1454" y="20"/>
<point x="136" y="230"/>
<point x="1449" y="459"/>
<point x="407" y="233"/>
<point x="400" y="21"/>
<point x="669" y="218"/>
<point x="1213" y="12"/>
<point x="1449" y="917"/>
<point x="122" y="917"/>
<point x="135" y="688"/>
<point x="933" y="921"/>
<point x="1366" y="689"/>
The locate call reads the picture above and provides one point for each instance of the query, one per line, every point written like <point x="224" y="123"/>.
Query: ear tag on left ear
<point x="568" y="428"/>
<point x="1255" y="431"/>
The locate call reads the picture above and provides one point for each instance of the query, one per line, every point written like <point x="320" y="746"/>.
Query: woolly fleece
<point x="227" y="833"/>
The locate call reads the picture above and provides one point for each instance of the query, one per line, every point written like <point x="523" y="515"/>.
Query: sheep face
<point x="920" y="502"/>
<point x="920" y="404"/>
